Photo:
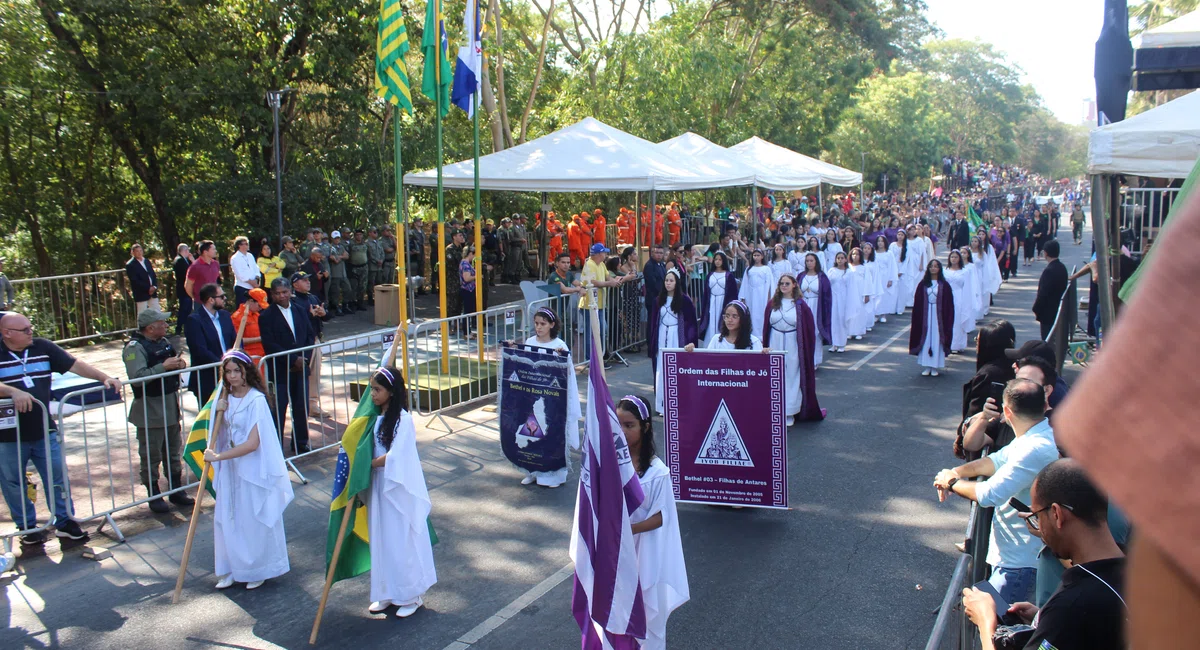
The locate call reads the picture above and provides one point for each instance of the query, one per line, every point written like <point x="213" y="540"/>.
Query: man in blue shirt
<point x="655" y="272"/>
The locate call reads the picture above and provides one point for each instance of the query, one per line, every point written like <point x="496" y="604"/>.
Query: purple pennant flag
<point x="607" y="602"/>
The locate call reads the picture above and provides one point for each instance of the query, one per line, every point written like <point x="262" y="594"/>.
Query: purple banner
<point x="726" y="441"/>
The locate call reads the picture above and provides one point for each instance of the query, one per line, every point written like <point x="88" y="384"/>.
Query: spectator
<point x="8" y="297"/>
<point x="285" y="327"/>
<point x="183" y="261"/>
<point x="317" y="277"/>
<point x="25" y="368"/>
<point x="562" y="280"/>
<point x="292" y="258"/>
<point x="1050" y="290"/>
<point x="374" y="264"/>
<point x="991" y="367"/>
<point x="155" y="408"/>
<point x="595" y="277"/>
<point x="204" y="270"/>
<point x="655" y="271"/>
<point x="415" y="265"/>
<point x="1012" y="551"/>
<point x="143" y="283"/>
<point x="1088" y="609"/>
<point x="308" y="301"/>
<point x="269" y="267"/>
<point x="337" y="293"/>
<point x="210" y="334"/>
<point x="251" y="336"/>
<point x="1044" y="351"/>
<point x="245" y="270"/>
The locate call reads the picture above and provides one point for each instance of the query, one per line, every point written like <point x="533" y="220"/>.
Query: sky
<point x="1052" y="41"/>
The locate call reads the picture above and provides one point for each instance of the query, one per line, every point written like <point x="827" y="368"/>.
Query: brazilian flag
<point x="197" y="442"/>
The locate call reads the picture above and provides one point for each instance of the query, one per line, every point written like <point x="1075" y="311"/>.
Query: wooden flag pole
<point x="216" y="426"/>
<point x="337" y="552"/>
<point x="596" y="342"/>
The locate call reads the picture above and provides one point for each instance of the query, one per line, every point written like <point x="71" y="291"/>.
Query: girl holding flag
<point x="251" y="480"/>
<point x="397" y="504"/>
<point x="545" y="335"/>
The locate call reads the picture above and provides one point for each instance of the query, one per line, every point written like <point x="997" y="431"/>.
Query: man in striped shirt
<point x="25" y="367"/>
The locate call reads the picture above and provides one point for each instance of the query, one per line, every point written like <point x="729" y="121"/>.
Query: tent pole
<point x="543" y="263"/>
<point x="1100" y="219"/>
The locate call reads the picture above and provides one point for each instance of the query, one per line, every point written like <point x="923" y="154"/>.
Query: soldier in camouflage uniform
<point x="358" y="269"/>
<point x="339" y="284"/>
<point x="374" y="263"/>
<point x="454" y="255"/>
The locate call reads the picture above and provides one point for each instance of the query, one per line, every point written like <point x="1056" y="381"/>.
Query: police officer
<point x="388" y="241"/>
<point x="338" y="291"/>
<point x="155" y="408"/>
<point x="358" y="269"/>
<point x="416" y="254"/>
<point x="374" y="263"/>
<point x="326" y="249"/>
<point x="292" y="258"/>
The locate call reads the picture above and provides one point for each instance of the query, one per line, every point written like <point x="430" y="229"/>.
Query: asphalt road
<point x="860" y="561"/>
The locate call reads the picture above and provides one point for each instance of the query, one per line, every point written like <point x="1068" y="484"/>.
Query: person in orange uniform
<point x="625" y="226"/>
<point x="555" y="232"/>
<point x="674" y="222"/>
<point x="585" y="227"/>
<point x="657" y="225"/>
<point x="252" y="338"/>
<point x="599" y="227"/>
<point x="575" y="241"/>
<point x="646" y="225"/>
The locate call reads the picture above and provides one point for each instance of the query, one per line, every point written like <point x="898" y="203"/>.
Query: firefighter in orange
<point x="599" y="227"/>
<point x="576" y="243"/>
<point x="646" y="225"/>
<point x="625" y="226"/>
<point x="674" y="222"/>
<point x="555" y="232"/>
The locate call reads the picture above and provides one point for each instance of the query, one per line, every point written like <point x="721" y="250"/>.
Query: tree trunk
<point x="503" y="96"/>
<point x="537" y="77"/>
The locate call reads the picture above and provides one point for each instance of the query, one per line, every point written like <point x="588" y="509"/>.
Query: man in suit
<point x="285" y="327"/>
<point x="180" y="267"/>
<point x="1051" y="286"/>
<point x="210" y="334"/>
<point x="142" y="281"/>
<point x="960" y="232"/>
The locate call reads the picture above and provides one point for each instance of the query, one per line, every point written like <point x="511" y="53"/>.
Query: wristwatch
<point x="950" y="483"/>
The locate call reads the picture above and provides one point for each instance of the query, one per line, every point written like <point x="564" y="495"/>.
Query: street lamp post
<point x="274" y="97"/>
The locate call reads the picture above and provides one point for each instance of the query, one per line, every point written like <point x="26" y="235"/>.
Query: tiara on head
<point x="548" y="313"/>
<point x="641" y="406"/>
<point x="239" y="355"/>
<point x="387" y="373"/>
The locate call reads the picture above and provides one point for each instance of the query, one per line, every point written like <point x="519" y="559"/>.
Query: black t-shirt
<point x="1084" y="613"/>
<point x="36" y="362"/>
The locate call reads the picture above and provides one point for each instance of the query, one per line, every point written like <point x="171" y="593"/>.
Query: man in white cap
<point x="339" y="283"/>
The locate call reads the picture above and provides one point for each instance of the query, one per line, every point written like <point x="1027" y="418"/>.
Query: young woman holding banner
<point x="545" y="335"/>
<point x="251" y="481"/>
<point x="790" y="327"/>
<point x="397" y="504"/>
<point x="661" y="568"/>
<point x="671" y="324"/>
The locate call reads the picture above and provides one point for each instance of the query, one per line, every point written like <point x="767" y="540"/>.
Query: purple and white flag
<point x="607" y="602"/>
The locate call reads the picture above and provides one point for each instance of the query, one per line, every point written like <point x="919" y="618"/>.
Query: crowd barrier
<point x="1143" y="211"/>
<point x="45" y="510"/>
<point x="624" y="313"/>
<point x="1066" y="322"/>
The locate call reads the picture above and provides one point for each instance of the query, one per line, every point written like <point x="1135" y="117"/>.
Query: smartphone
<point x="1001" y="604"/>
<point x="997" y="393"/>
<point x="1016" y="504"/>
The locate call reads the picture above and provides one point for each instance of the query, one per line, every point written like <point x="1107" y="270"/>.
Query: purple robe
<point x="731" y="294"/>
<point x="945" y="314"/>
<point x="810" y="408"/>
<point x="890" y="233"/>
<point x="825" y="324"/>
<point x="688" y="327"/>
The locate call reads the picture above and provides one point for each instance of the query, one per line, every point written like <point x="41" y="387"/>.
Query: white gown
<point x="668" y="337"/>
<point x="796" y="258"/>
<point x="910" y="267"/>
<point x="831" y="251"/>
<point x="841" y="282"/>
<point x="933" y="341"/>
<point x="716" y="301"/>
<point x="874" y="289"/>
<point x="662" y="571"/>
<point x="810" y="288"/>
<point x="983" y="298"/>
<point x="855" y="310"/>
<point x="252" y="493"/>
<point x="993" y="280"/>
<point x="758" y="287"/>
<point x="784" y="339"/>
<point x="886" y="265"/>
<point x="778" y="269"/>
<point x="964" y="308"/>
<point x="718" y="342"/>
<point x="397" y="509"/>
<point x="574" y="415"/>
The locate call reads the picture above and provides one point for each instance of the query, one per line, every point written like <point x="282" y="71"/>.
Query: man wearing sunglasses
<point x="1012" y="550"/>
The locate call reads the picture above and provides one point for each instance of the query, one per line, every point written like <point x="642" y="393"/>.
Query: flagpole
<point x="216" y="426"/>
<point x="480" y="286"/>
<point x="337" y="552"/>
<point x="402" y="243"/>
<point x="441" y="207"/>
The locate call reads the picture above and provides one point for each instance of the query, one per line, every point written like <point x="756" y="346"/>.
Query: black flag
<point x="1114" y="63"/>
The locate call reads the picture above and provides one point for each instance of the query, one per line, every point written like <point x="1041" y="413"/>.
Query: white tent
<point x="774" y="158"/>
<point x="709" y="156"/>
<point x="1181" y="32"/>
<point x="587" y="156"/>
<point x="1163" y="142"/>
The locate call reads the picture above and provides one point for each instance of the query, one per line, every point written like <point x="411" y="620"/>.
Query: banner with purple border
<point x="726" y="440"/>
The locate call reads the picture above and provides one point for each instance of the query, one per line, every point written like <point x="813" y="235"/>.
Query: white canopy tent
<point x="1163" y="142"/>
<point x="772" y="158"/>
<point x="1181" y="32"/>
<point x="588" y="156"/>
<point x="710" y="155"/>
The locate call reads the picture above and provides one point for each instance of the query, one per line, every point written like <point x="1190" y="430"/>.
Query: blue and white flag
<point x="607" y="602"/>
<point x="468" y="68"/>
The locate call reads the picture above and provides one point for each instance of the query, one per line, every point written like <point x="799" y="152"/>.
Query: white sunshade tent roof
<point x="1163" y="142"/>
<point x="588" y="156"/>
<point x="711" y="156"/>
<point x="772" y="158"/>
<point x="1181" y="32"/>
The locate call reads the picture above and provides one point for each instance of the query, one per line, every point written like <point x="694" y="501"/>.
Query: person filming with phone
<point x="1087" y="611"/>
<point x="1012" y="550"/>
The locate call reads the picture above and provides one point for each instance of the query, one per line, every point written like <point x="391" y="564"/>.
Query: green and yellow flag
<point x="352" y="476"/>
<point x="391" y="74"/>
<point x="436" y="76"/>
<point x="197" y="442"/>
<point x="974" y="219"/>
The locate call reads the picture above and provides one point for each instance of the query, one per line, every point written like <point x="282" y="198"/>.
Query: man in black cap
<point x="1044" y="351"/>
<point x="308" y="301"/>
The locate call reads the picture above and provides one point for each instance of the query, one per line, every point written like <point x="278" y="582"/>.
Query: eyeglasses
<point x="219" y="295"/>
<point x="1031" y="518"/>
<point x="25" y="330"/>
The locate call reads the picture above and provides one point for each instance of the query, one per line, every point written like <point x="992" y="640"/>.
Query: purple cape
<point x="825" y="300"/>
<point x="945" y="312"/>
<point x="687" y="327"/>
<point x="810" y="409"/>
<point x="731" y="294"/>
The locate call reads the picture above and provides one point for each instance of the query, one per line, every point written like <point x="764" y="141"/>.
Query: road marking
<point x="512" y="609"/>
<point x="881" y="348"/>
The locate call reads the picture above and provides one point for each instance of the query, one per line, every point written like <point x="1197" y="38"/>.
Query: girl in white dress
<point x="397" y="504"/>
<point x="874" y="285"/>
<point x="964" y="308"/>
<point x="735" y="331"/>
<point x="662" y="572"/>
<point x="993" y="280"/>
<point x="933" y="321"/>
<point x="842" y="285"/>
<point x="908" y="264"/>
<point x="718" y="280"/>
<point x="781" y="336"/>
<point x="831" y="247"/>
<point x="974" y="282"/>
<point x="860" y="298"/>
<point x="757" y="286"/>
<point x="888" y="277"/>
<point x="979" y="262"/>
<point x="796" y="255"/>
<point x="810" y="289"/>
<point x="779" y="266"/>
<point x="930" y="246"/>
<point x="672" y="325"/>
<point x="251" y="481"/>
<point x="545" y="335"/>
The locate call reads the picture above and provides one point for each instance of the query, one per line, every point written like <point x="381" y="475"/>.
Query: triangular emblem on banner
<point x="514" y="377"/>
<point x="554" y="383"/>
<point x="723" y="444"/>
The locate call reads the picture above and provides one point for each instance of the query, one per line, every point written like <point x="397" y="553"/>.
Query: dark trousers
<point x="1047" y="326"/>
<point x="240" y="295"/>
<point x="185" y="310"/>
<point x="292" y="387"/>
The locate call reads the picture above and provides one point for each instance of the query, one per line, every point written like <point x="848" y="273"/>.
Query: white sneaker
<point x="379" y="606"/>
<point x="883" y="319"/>
<point x="791" y="420"/>
<point x="925" y="372"/>
<point x="858" y="338"/>
<point x="833" y="348"/>
<point x="408" y="610"/>
<point x="225" y="582"/>
<point x="528" y="479"/>
<point x="255" y="585"/>
<point x="934" y="373"/>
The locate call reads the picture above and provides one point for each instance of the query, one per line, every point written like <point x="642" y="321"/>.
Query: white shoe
<point x="934" y="373"/>
<point x="379" y="606"/>
<point x="858" y="338"/>
<point x="791" y="420"/>
<point x="225" y="582"/>
<point x="528" y="479"/>
<point x="833" y="348"/>
<point x="254" y="585"/>
<point x="883" y="319"/>
<point x="925" y="372"/>
<point x="408" y="610"/>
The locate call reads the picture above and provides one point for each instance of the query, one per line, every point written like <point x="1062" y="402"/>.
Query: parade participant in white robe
<point x="758" y="284"/>
<point x="831" y="247"/>
<point x="779" y="266"/>
<point x="545" y="335"/>
<point x="792" y="330"/>
<point x="719" y="289"/>
<point x="933" y="321"/>
<point x="978" y="261"/>
<point x="818" y="295"/>
<point x="735" y="331"/>
<point x="930" y="247"/>
<point x="860" y="298"/>
<point x="874" y="285"/>
<point x="662" y="571"/>
<point x="992" y="282"/>
<point x="841" y="283"/>
<point x="960" y="281"/>
<point x="796" y="256"/>
<point x="672" y="324"/>
<point x="889" y="277"/>
<point x="974" y="283"/>
<point x="398" y="504"/>
<point x="251" y="481"/>
<point x="908" y="269"/>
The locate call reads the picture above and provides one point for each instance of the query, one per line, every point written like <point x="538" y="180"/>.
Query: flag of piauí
<point x="197" y="442"/>
<point x="391" y="74"/>
<point x="352" y="476"/>
<point x="436" y="76"/>
<point x="470" y="61"/>
<point x="974" y="219"/>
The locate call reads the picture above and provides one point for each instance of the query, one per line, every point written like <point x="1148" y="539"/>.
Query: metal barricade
<point x="952" y="630"/>
<point x="1143" y="211"/>
<point x="26" y="522"/>
<point x="1066" y="321"/>
<point x="78" y="307"/>
<point x="624" y="321"/>
<point x="570" y="323"/>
